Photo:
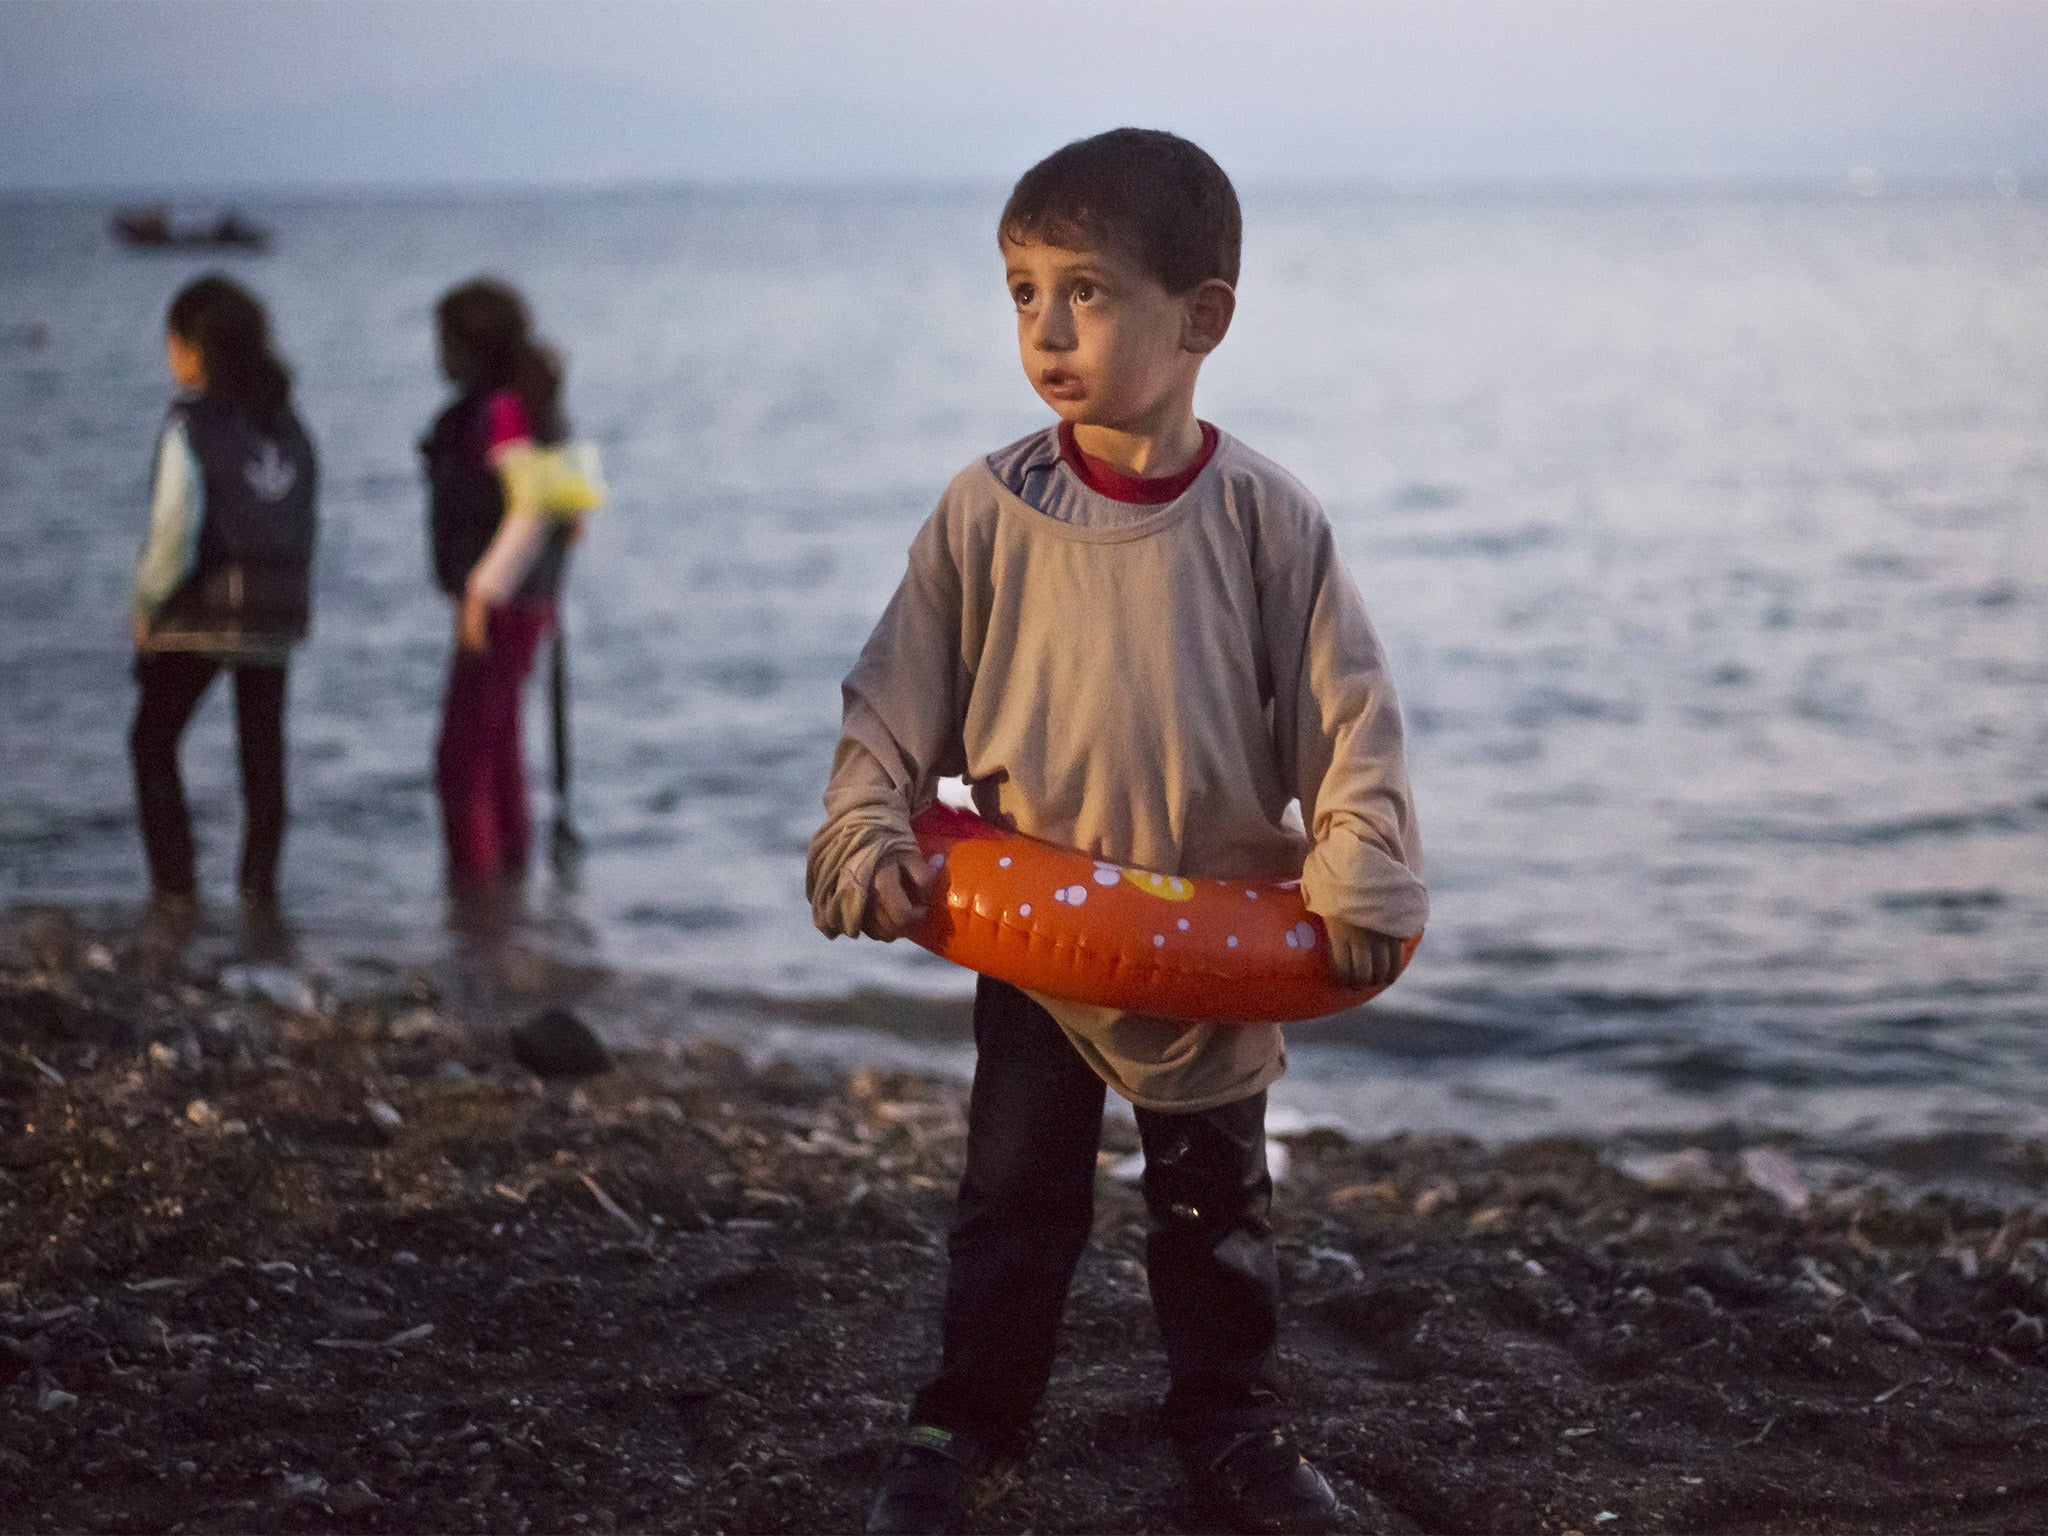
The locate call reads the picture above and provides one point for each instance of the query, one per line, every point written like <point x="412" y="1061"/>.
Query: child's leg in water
<point x="481" y="771"/>
<point x="173" y="682"/>
<point x="1027" y="1201"/>
<point x="516" y="633"/>
<point x="259" y="745"/>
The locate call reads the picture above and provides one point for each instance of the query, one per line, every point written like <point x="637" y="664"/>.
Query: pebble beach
<point x="294" y="1262"/>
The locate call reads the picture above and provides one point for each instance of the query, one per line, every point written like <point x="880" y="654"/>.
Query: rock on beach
<point x="555" y="1043"/>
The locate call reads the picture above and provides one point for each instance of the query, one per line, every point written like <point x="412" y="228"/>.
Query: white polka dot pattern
<point x="1241" y="951"/>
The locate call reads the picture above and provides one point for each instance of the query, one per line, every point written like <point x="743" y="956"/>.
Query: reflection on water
<point x="517" y="942"/>
<point x="1706" y="537"/>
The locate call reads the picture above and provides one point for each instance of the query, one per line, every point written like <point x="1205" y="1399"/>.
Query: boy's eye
<point x="1084" y="293"/>
<point x="1022" y="295"/>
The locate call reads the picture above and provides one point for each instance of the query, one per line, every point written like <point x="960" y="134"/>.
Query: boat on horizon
<point x="152" y="228"/>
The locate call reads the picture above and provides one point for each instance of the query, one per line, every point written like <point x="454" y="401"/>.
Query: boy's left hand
<point x="1361" y="957"/>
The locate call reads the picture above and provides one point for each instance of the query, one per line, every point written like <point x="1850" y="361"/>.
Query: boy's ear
<point x="1207" y="313"/>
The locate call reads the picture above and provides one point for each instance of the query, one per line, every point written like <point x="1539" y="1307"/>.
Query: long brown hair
<point x="228" y="325"/>
<point x="487" y="343"/>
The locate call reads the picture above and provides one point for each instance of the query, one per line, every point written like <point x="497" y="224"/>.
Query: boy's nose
<point x="1054" y="331"/>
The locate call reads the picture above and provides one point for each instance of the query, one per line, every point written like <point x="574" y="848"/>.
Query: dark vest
<point x="466" y="502"/>
<point x="252" y="578"/>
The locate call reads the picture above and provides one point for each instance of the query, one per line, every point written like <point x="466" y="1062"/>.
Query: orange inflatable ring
<point x="1068" y="925"/>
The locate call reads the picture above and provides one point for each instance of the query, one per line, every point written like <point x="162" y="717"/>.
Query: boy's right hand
<point x="899" y="896"/>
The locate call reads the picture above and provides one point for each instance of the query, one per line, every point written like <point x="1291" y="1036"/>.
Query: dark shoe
<point x="929" y="1489"/>
<point x="1260" y="1482"/>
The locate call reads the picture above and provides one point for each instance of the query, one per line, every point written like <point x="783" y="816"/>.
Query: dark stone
<point x="33" y="1015"/>
<point x="555" y="1043"/>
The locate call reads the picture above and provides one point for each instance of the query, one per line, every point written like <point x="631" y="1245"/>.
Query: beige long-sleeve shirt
<point x="1153" y="692"/>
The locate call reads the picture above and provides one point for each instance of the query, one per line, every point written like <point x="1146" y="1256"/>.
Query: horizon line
<point x="1861" y="182"/>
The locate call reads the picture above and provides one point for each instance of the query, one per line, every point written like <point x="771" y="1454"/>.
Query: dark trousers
<point x="1027" y="1202"/>
<point x="173" y="682"/>
<point x="480" y="765"/>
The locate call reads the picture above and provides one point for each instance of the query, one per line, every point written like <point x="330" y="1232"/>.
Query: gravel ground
<point x="277" y="1264"/>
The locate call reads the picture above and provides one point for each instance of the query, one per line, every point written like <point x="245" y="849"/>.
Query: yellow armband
<point x="560" y="482"/>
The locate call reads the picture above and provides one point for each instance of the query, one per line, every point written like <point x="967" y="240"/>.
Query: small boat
<point x="152" y="229"/>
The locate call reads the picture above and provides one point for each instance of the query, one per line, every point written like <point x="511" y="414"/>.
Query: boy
<point x="1132" y="636"/>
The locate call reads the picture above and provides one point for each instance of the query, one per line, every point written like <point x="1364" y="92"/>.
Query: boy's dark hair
<point x="487" y="342"/>
<point x="1151" y="194"/>
<point x="227" y="324"/>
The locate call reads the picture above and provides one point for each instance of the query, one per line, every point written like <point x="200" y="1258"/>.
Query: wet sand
<point x="307" y="1266"/>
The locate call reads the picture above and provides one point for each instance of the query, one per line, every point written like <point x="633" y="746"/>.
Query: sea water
<point x="1707" y="534"/>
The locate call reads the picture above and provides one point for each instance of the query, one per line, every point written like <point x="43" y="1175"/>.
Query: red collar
<point x="1107" y="480"/>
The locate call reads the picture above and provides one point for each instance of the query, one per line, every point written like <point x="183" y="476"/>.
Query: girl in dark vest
<point x="225" y="578"/>
<point x="500" y="546"/>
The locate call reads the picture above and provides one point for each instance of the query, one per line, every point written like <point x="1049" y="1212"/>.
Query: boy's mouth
<point x="1059" y="384"/>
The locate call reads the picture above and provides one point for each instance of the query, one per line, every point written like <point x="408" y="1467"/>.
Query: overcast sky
<point x="138" y="94"/>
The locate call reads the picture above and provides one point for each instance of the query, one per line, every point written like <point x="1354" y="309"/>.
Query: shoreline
<point x="346" y="1265"/>
<point x="1408" y="1066"/>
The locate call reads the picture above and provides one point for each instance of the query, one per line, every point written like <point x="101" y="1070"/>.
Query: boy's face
<point x="1102" y="341"/>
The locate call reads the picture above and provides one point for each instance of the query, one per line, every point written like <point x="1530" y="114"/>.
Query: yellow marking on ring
<point x="1165" y="887"/>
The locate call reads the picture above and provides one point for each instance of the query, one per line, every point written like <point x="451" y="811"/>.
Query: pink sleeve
<point x="507" y="419"/>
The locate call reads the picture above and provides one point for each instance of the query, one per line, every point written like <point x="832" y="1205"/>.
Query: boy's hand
<point x="899" y="897"/>
<point x="1359" y="957"/>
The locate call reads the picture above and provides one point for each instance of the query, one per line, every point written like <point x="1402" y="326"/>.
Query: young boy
<point x="1131" y="635"/>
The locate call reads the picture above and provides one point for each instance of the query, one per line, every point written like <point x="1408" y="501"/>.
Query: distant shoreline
<point x="1839" y="187"/>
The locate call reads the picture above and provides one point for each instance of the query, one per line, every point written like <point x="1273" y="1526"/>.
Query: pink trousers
<point x="480" y="768"/>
